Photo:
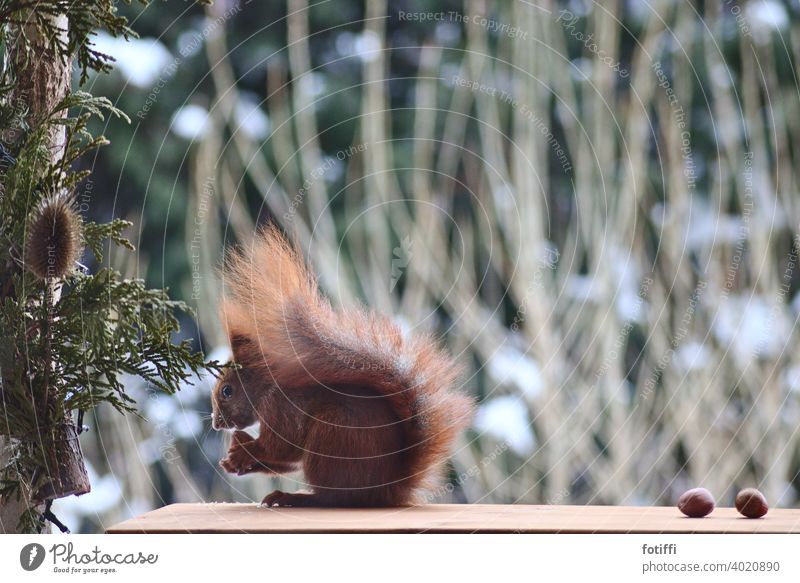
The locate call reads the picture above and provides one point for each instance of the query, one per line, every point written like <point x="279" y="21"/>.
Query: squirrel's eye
<point x="227" y="392"/>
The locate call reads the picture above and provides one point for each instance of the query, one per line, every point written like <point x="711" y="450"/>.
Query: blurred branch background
<point x="594" y="205"/>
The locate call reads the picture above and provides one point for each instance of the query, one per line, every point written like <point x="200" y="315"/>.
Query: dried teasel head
<point x="54" y="238"/>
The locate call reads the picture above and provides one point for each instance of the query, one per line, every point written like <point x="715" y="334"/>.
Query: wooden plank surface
<point x="450" y="518"/>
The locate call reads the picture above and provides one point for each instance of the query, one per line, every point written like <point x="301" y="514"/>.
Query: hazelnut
<point x="751" y="503"/>
<point x="696" y="503"/>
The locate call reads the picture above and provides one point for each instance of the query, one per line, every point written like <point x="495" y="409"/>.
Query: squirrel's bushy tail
<point x="276" y="315"/>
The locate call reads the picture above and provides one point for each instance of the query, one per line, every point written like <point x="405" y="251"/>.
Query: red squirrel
<point x="369" y="415"/>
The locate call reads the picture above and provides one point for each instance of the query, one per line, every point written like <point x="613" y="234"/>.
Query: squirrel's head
<point x="234" y="400"/>
<point x="231" y="406"/>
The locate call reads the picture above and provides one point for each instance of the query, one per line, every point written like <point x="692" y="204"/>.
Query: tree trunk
<point x="10" y="510"/>
<point x="44" y="79"/>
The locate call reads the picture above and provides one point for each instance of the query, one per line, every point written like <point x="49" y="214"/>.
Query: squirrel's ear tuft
<point x="244" y="348"/>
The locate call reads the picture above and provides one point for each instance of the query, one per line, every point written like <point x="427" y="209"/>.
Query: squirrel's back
<point x="272" y="300"/>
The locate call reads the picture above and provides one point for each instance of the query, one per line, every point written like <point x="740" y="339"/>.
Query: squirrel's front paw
<point x="241" y="438"/>
<point x="233" y="466"/>
<point x="240" y="461"/>
<point x="227" y="465"/>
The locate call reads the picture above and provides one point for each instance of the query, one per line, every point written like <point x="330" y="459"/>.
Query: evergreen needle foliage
<point x="67" y="340"/>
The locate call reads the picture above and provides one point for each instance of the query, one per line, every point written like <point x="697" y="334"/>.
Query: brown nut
<point x="696" y="503"/>
<point x="751" y="503"/>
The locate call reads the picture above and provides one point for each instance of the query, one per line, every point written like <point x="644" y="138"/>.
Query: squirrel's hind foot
<point x="291" y="499"/>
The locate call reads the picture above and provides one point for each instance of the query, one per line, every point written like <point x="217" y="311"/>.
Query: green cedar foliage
<point x="68" y="341"/>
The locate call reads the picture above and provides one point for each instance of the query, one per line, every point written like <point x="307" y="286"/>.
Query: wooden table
<point x="450" y="518"/>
